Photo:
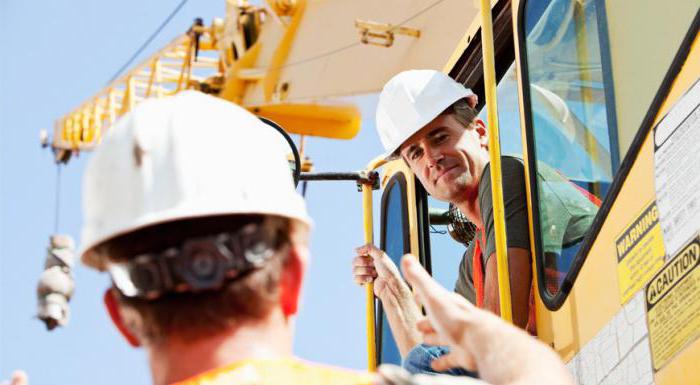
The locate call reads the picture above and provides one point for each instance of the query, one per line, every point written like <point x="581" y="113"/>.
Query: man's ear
<point x="291" y="280"/>
<point x="480" y="128"/>
<point x="472" y="100"/>
<point x="112" y="305"/>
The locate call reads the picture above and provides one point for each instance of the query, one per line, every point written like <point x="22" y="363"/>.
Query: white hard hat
<point x="410" y="100"/>
<point x="186" y="156"/>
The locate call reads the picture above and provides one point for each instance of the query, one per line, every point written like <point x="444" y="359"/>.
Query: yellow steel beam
<point x="495" y="159"/>
<point x="328" y="121"/>
<point x="282" y="50"/>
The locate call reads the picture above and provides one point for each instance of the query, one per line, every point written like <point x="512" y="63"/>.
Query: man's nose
<point x="434" y="157"/>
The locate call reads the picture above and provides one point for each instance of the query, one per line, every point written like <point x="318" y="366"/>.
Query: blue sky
<point x="55" y="55"/>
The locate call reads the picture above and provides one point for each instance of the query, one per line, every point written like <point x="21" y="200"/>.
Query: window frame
<point x="399" y="178"/>
<point x="554" y="302"/>
<point x="423" y="223"/>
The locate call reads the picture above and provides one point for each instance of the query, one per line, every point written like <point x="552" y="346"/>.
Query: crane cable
<point x="57" y="198"/>
<point x="148" y="41"/>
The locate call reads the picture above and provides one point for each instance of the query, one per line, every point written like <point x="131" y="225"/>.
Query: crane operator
<point x="428" y="120"/>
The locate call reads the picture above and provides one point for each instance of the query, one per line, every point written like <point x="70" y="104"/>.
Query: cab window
<point x="395" y="242"/>
<point x="571" y="133"/>
<point x="445" y="252"/>
<point x="508" y="114"/>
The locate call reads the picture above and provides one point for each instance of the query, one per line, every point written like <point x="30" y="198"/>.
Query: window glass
<point x="573" y="146"/>
<point x="508" y="114"/>
<point x="445" y="252"/>
<point x="395" y="242"/>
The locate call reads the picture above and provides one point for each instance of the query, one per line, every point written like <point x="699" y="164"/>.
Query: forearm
<point x="403" y="314"/>
<point x="520" y="282"/>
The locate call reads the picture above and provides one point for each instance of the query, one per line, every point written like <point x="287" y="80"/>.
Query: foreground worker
<point x="428" y="120"/>
<point x="190" y="206"/>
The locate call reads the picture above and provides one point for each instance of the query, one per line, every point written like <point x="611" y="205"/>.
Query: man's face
<point x="448" y="158"/>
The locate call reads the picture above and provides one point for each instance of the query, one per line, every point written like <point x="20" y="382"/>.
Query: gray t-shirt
<point x="566" y="217"/>
<point x="517" y="233"/>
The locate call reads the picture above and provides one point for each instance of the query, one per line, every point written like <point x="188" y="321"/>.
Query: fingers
<point x="362" y="275"/>
<point x="363" y="270"/>
<point x="362" y="261"/>
<point x="452" y="360"/>
<point x="369" y="250"/>
<point x="383" y="265"/>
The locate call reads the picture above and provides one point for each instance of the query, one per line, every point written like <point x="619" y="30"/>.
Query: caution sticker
<point x="640" y="252"/>
<point x="673" y="305"/>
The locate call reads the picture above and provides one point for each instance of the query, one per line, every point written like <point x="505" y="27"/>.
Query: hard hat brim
<point x="90" y="257"/>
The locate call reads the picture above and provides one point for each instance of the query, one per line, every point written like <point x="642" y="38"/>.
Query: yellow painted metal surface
<point x="329" y="121"/>
<point x="271" y="82"/>
<point x="644" y="37"/>
<point x="368" y="224"/>
<point x="369" y="287"/>
<point x="499" y="217"/>
<point x="328" y="59"/>
<point x="305" y="53"/>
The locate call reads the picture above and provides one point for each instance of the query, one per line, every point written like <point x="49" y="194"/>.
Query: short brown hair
<point x="194" y="315"/>
<point x="462" y="111"/>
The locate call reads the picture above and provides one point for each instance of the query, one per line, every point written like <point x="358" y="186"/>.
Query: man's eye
<point x="414" y="155"/>
<point x="440" y="138"/>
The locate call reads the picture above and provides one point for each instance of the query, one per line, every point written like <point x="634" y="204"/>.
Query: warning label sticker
<point x="676" y="160"/>
<point x="673" y="305"/>
<point x="640" y="252"/>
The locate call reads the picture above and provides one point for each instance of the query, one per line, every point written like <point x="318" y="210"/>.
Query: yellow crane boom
<point x="284" y="62"/>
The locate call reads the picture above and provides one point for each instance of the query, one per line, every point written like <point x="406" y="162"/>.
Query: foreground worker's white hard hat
<point x="410" y="100"/>
<point x="190" y="155"/>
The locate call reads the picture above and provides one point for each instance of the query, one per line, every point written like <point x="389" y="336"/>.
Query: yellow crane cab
<point x="606" y="93"/>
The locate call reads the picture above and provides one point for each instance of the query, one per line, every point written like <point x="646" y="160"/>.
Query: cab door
<point x="402" y="231"/>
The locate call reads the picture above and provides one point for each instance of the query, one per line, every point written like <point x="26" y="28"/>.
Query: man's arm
<point x="372" y="264"/>
<point x="517" y="234"/>
<point x="520" y="271"/>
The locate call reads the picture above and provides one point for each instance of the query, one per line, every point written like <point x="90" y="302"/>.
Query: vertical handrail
<point x="369" y="287"/>
<point x="495" y="159"/>
<point x="368" y="223"/>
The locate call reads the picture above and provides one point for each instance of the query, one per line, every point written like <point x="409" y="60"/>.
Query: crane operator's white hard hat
<point x="409" y="101"/>
<point x="185" y="156"/>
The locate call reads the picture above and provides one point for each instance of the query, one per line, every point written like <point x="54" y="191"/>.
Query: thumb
<point x="418" y="278"/>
